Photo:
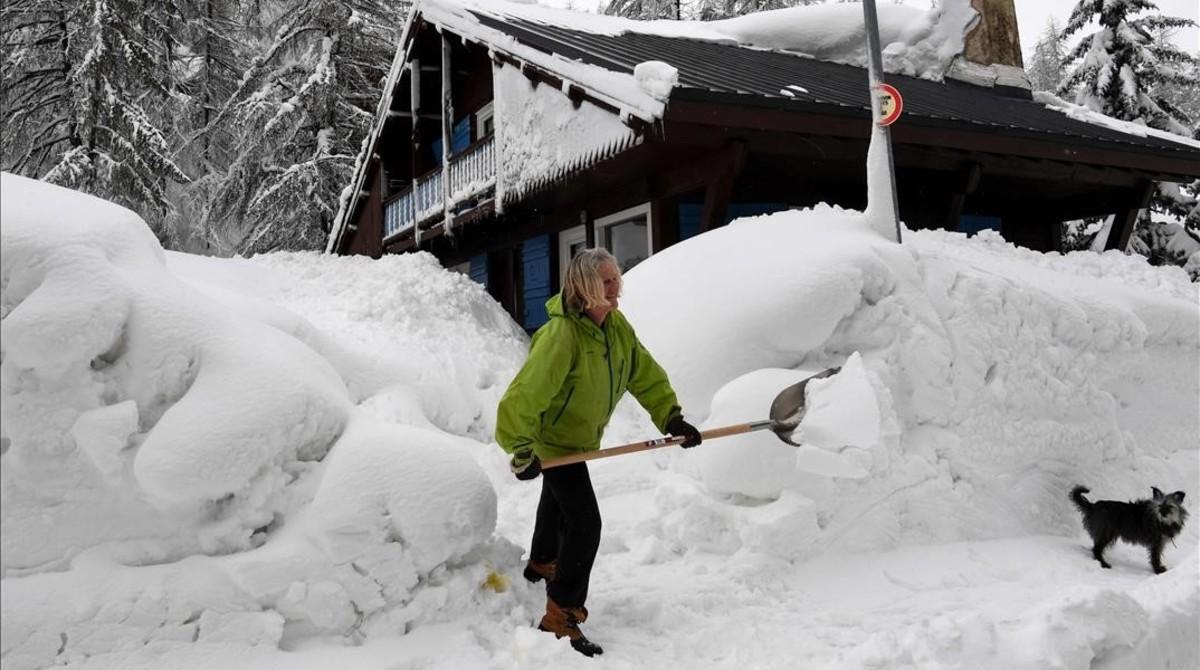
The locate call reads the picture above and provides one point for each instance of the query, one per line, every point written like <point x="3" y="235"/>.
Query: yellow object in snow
<point x="496" y="582"/>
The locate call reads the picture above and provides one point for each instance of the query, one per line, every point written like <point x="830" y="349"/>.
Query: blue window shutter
<point x="479" y="269"/>
<point x="461" y="137"/>
<point x="535" y="258"/>
<point x="737" y="210"/>
<point x="436" y="145"/>
<point x="971" y="224"/>
<point x="689" y="219"/>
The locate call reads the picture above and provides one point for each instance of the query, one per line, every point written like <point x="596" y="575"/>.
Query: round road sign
<point x="891" y="103"/>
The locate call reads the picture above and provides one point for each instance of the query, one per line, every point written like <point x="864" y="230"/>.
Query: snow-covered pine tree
<point x="87" y="88"/>
<point x="1116" y="69"/>
<point x="211" y="60"/>
<point x="645" y="10"/>
<point x="299" y="116"/>
<point x="1045" y="68"/>
<point x="711" y="10"/>
<point x="1125" y="69"/>
<point x="703" y="10"/>
<point x="40" y="123"/>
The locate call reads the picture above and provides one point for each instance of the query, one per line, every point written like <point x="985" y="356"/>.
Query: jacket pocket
<point x="566" y="401"/>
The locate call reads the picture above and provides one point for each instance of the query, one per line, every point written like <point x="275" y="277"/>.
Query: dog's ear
<point x="1177" y="497"/>
<point x="1157" y="494"/>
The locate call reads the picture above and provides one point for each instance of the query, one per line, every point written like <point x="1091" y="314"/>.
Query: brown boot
<point x="564" y="622"/>
<point x="536" y="572"/>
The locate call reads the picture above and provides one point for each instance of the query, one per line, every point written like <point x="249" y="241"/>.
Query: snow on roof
<point x="1082" y="113"/>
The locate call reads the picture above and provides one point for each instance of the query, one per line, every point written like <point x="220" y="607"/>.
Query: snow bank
<point x="1001" y="376"/>
<point x="183" y="461"/>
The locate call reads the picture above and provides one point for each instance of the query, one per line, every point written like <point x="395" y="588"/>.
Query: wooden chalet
<point x="505" y="141"/>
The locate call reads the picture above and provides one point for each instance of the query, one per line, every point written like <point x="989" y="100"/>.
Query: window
<point x="570" y="243"/>
<point x="485" y="125"/>
<point x="626" y="235"/>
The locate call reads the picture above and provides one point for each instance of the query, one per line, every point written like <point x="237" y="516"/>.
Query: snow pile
<point x="181" y="468"/>
<point x="995" y="388"/>
<point x="656" y="78"/>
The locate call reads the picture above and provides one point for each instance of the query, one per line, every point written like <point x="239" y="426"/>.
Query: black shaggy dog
<point x="1149" y="523"/>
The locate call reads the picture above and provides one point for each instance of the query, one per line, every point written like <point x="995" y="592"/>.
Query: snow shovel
<point x="787" y="411"/>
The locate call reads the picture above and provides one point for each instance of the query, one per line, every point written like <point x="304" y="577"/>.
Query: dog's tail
<point x="1082" y="503"/>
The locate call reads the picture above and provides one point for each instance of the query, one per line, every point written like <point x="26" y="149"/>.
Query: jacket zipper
<point x="608" y="359"/>
<point x="562" y="409"/>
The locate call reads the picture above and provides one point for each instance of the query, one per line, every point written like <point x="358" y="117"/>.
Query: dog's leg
<point x="1101" y="543"/>
<point x="1156" y="550"/>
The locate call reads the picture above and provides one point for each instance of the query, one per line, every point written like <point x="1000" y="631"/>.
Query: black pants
<point x="567" y="530"/>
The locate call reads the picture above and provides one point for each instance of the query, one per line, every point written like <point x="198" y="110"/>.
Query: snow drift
<point x="994" y="390"/>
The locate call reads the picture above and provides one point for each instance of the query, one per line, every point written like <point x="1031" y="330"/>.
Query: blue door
<point x="535" y="260"/>
<point x="479" y="269"/>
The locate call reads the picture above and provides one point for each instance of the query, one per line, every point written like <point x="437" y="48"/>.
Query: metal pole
<point x="875" y="74"/>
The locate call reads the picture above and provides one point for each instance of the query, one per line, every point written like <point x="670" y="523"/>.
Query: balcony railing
<point x="472" y="171"/>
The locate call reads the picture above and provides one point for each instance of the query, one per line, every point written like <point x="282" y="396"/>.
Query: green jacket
<point x="564" y="395"/>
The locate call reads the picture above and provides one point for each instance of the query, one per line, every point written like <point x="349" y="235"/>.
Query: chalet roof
<point x="729" y="73"/>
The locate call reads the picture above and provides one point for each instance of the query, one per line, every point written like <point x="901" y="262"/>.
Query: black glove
<point x="525" y="465"/>
<point x="680" y="428"/>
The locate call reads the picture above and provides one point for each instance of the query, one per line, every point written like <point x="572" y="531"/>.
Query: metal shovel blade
<point x="787" y="411"/>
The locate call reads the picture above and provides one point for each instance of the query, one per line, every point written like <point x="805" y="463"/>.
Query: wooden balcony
<point x="472" y="172"/>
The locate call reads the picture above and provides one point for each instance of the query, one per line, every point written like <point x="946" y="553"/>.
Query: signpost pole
<point x="875" y="74"/>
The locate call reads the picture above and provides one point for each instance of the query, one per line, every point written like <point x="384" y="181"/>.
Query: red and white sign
<point x="891" y="103"/>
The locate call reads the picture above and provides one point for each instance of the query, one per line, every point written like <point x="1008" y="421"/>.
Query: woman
<point x="580" y="364"/>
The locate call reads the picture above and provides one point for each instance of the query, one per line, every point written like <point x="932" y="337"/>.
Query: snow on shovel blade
<point x="787" y="411"/>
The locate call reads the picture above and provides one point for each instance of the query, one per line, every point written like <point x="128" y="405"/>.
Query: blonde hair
<point x="583" y="287"/>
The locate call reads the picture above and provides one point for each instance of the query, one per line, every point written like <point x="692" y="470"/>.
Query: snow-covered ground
<point x="287" y="461"/>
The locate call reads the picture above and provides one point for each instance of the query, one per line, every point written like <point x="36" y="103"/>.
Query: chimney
<point x="992" y="49"/>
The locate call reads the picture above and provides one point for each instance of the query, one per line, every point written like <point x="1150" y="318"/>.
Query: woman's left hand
<point x="677" y="427"/>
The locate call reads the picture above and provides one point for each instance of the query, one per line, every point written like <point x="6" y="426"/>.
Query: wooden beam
<point x="696" y="170"/>
<point x="1125" y="219"/>
<point x="716" y="202"/>
<point x="919" y="131"/>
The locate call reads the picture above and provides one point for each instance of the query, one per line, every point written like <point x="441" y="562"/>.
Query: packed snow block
<point x="415" y="487"/>
<point x="840" y="429"/>
<point x="241" y="628"/>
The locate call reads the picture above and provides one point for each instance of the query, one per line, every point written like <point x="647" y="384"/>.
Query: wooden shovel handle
<point x="712" y="434"/>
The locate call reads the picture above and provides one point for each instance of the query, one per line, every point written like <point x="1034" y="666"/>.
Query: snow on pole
<point x="414" y="78"/>
<point x="879" y="186"/>
<point x="447" y="120"/>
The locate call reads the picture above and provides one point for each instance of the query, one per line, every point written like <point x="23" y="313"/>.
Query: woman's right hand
<point x="525" y="465"/>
